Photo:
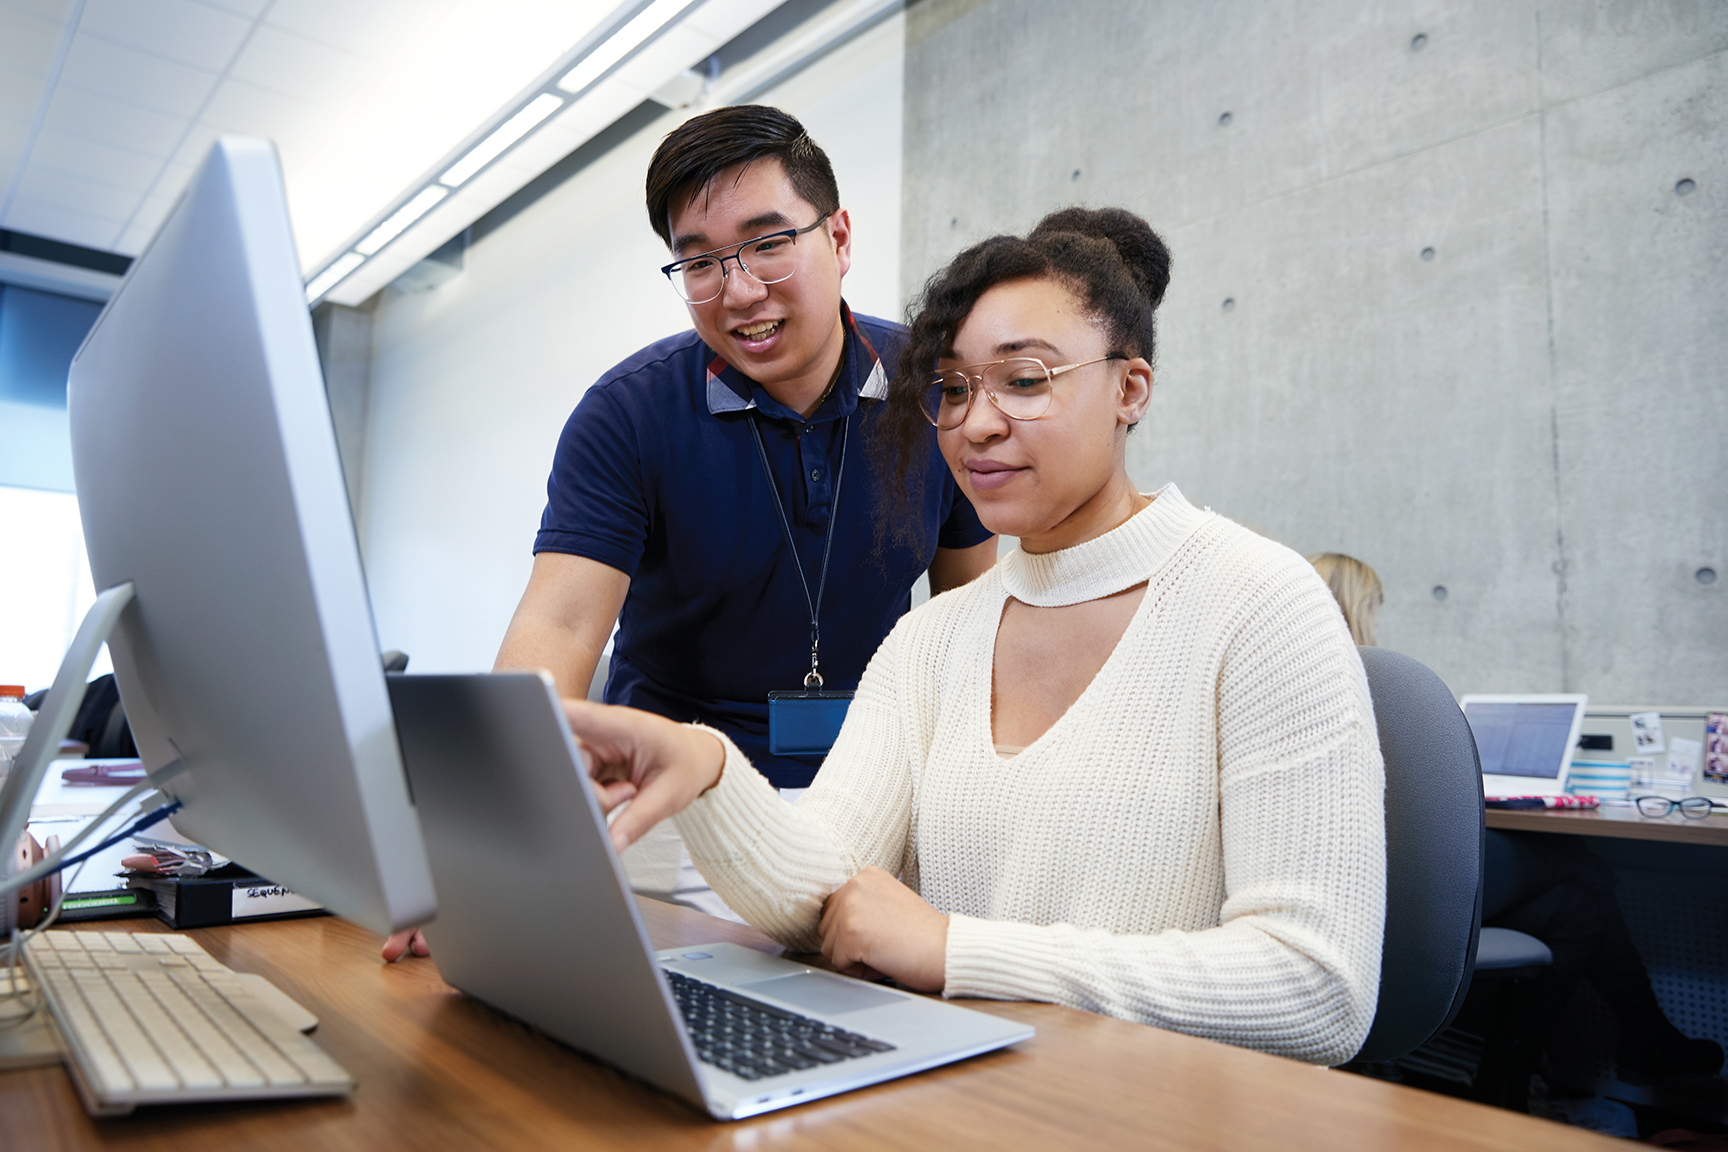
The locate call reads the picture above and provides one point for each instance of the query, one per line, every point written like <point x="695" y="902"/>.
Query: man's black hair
<point x="702" y="147"/>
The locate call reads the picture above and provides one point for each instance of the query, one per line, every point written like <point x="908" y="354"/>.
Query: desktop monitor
<point x="1525" y="742"/>
<point x="208" y="477"/>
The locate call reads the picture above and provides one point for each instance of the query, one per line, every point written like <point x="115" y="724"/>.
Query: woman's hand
<point x="659" y="766"/>
<point x="875" y="925"/>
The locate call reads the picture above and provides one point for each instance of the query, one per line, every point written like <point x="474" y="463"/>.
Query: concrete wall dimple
<point x="1449" y="290"/>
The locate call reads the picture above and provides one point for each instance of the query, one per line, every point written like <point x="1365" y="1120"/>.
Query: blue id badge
<point x="805" y="722"/>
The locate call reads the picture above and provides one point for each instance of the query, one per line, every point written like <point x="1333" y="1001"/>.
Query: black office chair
<point x="1434" y="839"/>
<point x="1507" y="961"/>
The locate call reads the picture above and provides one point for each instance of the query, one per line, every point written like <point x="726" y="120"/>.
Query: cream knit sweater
<point x="1198" y="843"/>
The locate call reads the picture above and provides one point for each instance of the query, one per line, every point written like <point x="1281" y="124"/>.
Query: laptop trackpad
<point x="820" y="992"/>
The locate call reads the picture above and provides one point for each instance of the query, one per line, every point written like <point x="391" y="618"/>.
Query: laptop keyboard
<point x="751" y="1040"/>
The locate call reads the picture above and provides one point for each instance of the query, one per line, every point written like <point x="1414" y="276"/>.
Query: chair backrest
<point x="1434" y="837"/>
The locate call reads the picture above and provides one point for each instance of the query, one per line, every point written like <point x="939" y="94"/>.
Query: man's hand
<point x="876" y="925"/>
<point x="659" y="766"/>
<point x="400" y="944"/>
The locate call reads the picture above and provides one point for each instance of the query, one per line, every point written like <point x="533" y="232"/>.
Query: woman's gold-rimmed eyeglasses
<point x="1656" y="807"/>
<point x="1020" y="388"/>
<point x="766" y="259"/>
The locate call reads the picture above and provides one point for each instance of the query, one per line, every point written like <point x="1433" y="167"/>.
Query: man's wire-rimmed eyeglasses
<point x="766" y="259"/>
<point x="1020" y="388"/>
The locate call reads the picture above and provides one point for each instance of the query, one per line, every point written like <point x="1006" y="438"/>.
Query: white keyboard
<point x="154" y="1019"/>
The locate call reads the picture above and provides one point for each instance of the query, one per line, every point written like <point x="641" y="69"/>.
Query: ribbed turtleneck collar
<point x="1104" y="565"/>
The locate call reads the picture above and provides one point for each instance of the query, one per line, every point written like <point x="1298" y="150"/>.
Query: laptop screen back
<point x="1531" y="740"/>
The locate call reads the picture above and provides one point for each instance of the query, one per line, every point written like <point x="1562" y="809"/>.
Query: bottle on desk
<point x="15" y="721"/>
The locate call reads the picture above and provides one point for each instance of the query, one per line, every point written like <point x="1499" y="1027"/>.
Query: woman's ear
<point x="1136" y="392"/>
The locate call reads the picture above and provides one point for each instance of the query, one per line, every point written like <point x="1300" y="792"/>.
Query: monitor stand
<point x="53" y="721"/>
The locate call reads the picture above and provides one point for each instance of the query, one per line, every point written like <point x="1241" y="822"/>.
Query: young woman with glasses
<point x="1132" y="769"/>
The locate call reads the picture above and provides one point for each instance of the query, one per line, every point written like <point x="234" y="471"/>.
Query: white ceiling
<point x="106" y="106"/>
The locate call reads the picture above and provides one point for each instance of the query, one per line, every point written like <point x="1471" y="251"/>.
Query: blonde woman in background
<point x="1356" y="587"/>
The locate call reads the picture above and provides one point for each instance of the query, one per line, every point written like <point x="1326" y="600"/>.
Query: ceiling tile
<point x="59" y="11"/>
<point x="75" y="194"/>
<point x="29" y="42"/>
<point x="192" y="150"/>
<point x="92" y="117"/>
<point x="177" y="29"/>
<point x="10" y="151"/>
<point x="134" y="240"/>
<point x="249" y="109"/>
<point x="174" y="179"/>
<point x="175" y="176"/>
<point x="367" y="29"/>
<point x="295" y="66"/>
<point x="154" y="208"/>
<point x="57" y="223"/>
<point x="90" y="160"/>
<point x="145" y="221"/>
<point x="251" y="9"/>
<point x="128" y="74"/>
<point x="13" y="136"/>
<point x="20" y="94"/>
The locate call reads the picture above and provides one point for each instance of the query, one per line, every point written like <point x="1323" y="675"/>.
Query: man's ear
<point x="840" y="231"/>
<point x="1136" y="392"/>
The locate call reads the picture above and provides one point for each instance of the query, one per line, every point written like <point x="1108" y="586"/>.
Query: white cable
<point x="52" y="862"/>
<point x="15" y="954"/>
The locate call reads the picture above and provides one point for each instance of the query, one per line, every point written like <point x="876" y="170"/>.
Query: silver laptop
<point x="1525" y="742"/>
<point x="536" y="919"/>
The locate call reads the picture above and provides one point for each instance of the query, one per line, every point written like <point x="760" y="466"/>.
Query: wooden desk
<point x="437" y="1070"/>
<point x="1615" y="823"/>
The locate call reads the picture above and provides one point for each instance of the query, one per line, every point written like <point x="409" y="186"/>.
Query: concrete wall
<point x="472" y="381"/>
<point x="1437" y="302"/>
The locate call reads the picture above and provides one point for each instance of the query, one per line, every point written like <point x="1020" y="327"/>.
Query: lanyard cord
<point x="814" y="679"/>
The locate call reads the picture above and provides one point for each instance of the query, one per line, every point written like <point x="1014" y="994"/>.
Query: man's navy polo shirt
<point x="657" y="475"/>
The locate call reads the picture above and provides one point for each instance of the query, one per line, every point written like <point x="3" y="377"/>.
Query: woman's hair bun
<point x="1140" y="248"/>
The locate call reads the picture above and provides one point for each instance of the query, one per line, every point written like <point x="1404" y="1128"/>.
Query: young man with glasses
<point x="683" y="471"/>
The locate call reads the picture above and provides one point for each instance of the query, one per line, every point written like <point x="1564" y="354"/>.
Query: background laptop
<point x="536" y="919"/>
<point x="1525" y="742"/>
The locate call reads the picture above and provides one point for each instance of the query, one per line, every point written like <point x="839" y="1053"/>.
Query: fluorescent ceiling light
<point x="333" y="275"/>
<point x="621" y="43"/>
<point x="507" y="134"/>
<point x="400" y="219"/>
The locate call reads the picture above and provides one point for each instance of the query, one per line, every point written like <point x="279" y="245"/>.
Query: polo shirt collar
<point x="729" y="390"/>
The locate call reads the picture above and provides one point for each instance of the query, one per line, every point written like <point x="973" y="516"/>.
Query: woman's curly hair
<point x="1109" y="258"/>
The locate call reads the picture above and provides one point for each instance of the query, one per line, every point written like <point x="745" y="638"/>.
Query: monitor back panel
<point x="208" y="477"/>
